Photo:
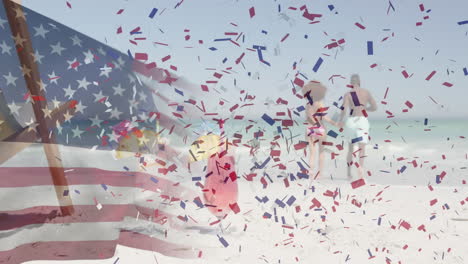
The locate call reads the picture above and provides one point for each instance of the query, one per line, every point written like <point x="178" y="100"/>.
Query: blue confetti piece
<point x="196" y="178"/>
<point x="292" y="177"/>
<point x="113" y="54"/>
<point x="432" y="217"/>
<point x="126" y="168"/>
<point x="278" y="128"/>
<point x="78" y="192"/>
<point x="306" y="36"/>
<point x="379" y="221"/>
<point x="425" y="121"/>
<point x="258" y="47"/>
<point x="370" y="48"/>
<point x="153" y="12"/>
<point x="331" y="7"/>
<point x="279" y="8"/>
<point x="180" y="108"/>
<point x="266" y="215"/>
<point x="117" y="260"/>
<point x="182" y="204"/>
<point x="268" y="119"/>
<point x="65" y="192"/>
<point x="291" y="200"/>
<point x="302" y="175"/>
<point x="402" y="169"/>
<point x="265" y="199"/>
<point x="154" y="180"/>
<point x="264" y="32"/>
<point x="225" y="59"/>
<point x="130" y="55"/>
<point x="438" y="179"/>
<point x="265" y="62"/>
<point x="446" y="205"/>
<point x="300" y="108"/>
<point x="104" y="187"/>
<point x="358" y="139"/>
<point x="213" y="49"/>
<point x="463" y="22"/>
<point x="465" y="71"/>
<point x="317" y="64"/>
<point x="280" y="203"/>
<point x="179" y="91"/>
<point x="198" y="202"/>
<point x="283" y="220"/>
<point x="300" y="166"/>
<point x="223" y="39"/>
<point x="304" y="76"/>
<point x="332" y="134"/>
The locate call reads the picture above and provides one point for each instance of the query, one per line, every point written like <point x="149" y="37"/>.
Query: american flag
<point x="95" y="96"/>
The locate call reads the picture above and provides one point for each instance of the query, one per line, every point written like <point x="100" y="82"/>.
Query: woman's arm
<point x="345" y="108"/>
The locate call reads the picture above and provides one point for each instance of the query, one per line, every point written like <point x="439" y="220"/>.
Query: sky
<point x="439" y="44"/>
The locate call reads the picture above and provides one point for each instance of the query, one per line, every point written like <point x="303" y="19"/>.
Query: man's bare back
<point x="357" y="100"/>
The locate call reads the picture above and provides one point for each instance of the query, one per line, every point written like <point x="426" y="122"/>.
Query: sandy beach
<point x="326" y="221"/>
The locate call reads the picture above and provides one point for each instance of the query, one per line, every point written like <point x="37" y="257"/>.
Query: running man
<point x="356" y="104"/>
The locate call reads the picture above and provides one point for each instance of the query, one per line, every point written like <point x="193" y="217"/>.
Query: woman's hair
<point x="316" y="90"/>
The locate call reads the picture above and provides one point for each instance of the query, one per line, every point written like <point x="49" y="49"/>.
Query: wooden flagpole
<point x="24" y="49"/>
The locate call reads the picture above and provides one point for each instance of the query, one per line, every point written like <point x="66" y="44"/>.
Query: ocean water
<point x="400" y="151"/>
<point x="406" y="152"/>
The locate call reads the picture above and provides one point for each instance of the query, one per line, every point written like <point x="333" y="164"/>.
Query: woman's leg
<point x="321" y="159"/>
<point x="311" y="155"/>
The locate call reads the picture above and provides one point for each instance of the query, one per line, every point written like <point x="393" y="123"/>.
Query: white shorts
<point x="357" y="129"/>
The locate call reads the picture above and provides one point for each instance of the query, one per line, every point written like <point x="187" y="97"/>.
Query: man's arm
<point x="372" y="104"/>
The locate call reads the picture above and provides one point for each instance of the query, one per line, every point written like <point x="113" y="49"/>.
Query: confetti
<point x="370" y="48"/>
<point x="252" y="12"/>
<point x="317" y="64"/>
<point x="268" y="119"/>
<point x="360" y="26"/>
<point x="153" y="13"/>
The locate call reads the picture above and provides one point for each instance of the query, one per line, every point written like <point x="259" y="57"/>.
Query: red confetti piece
<point x="360" y="26"/>
<point x="405" y="74"/>
<point x="120" y="11"/>
<point x="252" y="12"/>
<point x="358" y="183"/>
<point x="409" y="104"/>
<point x="299" y="82"/>
<point x="447" y="84"/>
<point x="75" y="64"/>
<point x="421" y="7"/>
<point x="430" y="75"/>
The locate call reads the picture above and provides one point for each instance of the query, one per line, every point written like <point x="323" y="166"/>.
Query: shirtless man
<point x="356" y="104"/>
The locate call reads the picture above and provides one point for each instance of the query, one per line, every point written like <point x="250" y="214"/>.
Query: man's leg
<point x="362" y="155"/>
<point x="349" y="159"/>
